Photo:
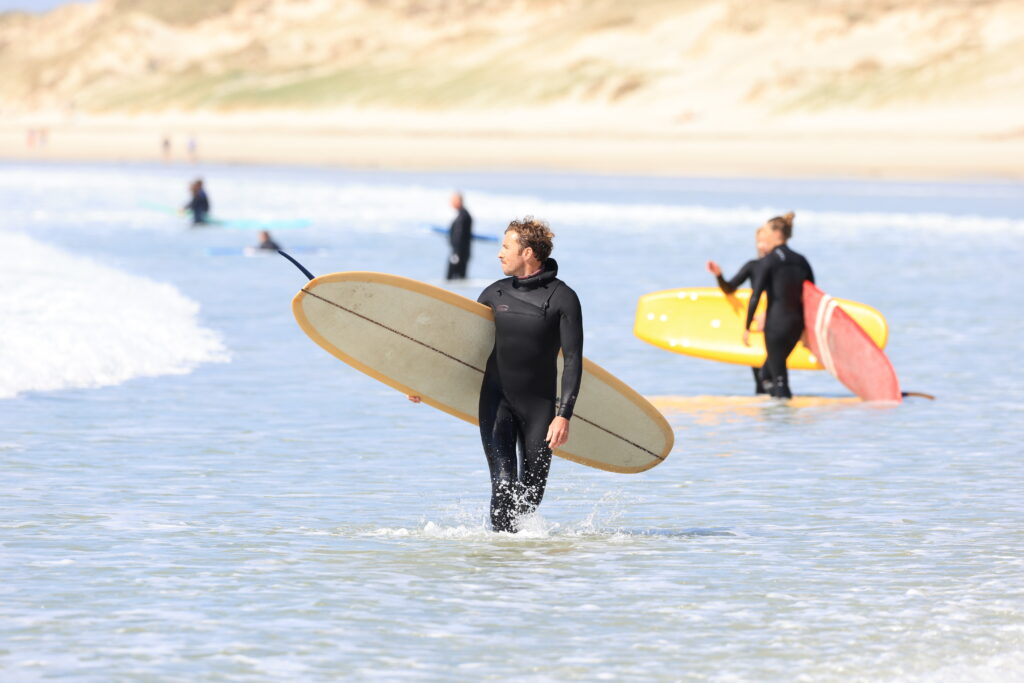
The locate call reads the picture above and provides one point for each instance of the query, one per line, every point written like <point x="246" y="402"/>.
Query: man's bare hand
<point x="558" y="433"/>
<point x="713" y="268"/>
<point x="746" y="337"/>
<point x="414" y="399"/>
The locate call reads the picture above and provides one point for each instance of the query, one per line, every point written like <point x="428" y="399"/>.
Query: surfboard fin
<point x="297" y="264"/>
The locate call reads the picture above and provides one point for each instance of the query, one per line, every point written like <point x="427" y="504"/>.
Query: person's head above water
<point x="456" y="200"/>
<point x="779" y="229"/>
<point x="196" y="186"/>
<point x="527" y="244"/>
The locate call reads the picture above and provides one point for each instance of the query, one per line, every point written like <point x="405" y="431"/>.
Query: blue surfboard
<point x="441" y="230"/>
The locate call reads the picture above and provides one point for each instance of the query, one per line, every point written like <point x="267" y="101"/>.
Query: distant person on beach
<point x="745" y="273"/>
<point x="266" y="242"/>
<point x="460" y="237"/>
<point x="199" y="205"/>
<point x="536" y="315"/>
<point x="165" y="147"/>
<point x="780" y="275"/>
<point x="193" y="148"/>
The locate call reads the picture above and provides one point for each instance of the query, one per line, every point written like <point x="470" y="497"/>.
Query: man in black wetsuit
<point x="746" y="273"/>
<point x="781" y="276"/>
<point x="535" y="316"/>
<point x="460" y="237"/>
<point x="199" y="205"/>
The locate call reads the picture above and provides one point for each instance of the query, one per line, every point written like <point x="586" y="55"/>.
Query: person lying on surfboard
<point x="732" y="284"/>
<point x="536" y="315"/>
<point x="780" y="275"/>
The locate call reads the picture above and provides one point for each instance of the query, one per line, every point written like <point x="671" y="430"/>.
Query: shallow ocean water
<point x="194" y="490"/>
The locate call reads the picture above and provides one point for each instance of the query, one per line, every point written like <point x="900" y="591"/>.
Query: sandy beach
<point x="709" y="154"/>
<point x="926" y="89"/>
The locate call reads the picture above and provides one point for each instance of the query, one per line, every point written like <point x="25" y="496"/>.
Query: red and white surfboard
<point x="846" y="350"/>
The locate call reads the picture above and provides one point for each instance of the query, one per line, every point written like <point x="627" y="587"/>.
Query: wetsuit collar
<point x="547" y="273"/>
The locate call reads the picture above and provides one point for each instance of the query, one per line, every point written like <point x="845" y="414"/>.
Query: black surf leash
<point x="297" y="264"/>
<point x="916" y="394"/>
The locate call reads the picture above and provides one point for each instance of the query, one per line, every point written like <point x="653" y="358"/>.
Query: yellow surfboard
<point x="707" y="323"/>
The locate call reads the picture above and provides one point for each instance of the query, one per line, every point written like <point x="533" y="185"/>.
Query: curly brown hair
<point x="535" y="234"/>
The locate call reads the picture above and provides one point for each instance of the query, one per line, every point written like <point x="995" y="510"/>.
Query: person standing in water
<point x="746" y="273"/>
<point x="536" y="315"/>
<point x="199" y="205"/>
<point x="460" y="236"/>
<point x="780" y="275"/>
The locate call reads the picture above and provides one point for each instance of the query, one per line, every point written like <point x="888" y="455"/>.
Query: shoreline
<point x="788" y="154"/>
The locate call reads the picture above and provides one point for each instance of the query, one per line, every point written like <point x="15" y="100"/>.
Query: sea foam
<point x="70" y="322"/>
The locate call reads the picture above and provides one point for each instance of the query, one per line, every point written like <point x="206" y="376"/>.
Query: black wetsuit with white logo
<point x="781" y="275"/>
<point x="747" y="272"/>
<point x="534" y="318"/>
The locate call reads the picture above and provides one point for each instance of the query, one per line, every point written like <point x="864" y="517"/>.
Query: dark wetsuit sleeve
<point x="730" y="286"/>
<point x="810" y="273"/>
<point x="571" y="333"/>
<point x="758" y="283"/>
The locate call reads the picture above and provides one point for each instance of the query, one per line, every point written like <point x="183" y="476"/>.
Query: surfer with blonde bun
<point x="780" y="275"/>
<point x="761" y="241"/>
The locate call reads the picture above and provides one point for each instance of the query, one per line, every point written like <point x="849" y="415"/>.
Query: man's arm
<point x="456" y="234"/>
<point x="570" y="331"/>
<point x="571" y="334"/>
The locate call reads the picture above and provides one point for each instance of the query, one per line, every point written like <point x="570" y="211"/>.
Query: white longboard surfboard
<point x="427" y="341"/>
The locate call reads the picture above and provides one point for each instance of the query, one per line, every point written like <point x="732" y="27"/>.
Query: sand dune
<point x="948" y="70"/>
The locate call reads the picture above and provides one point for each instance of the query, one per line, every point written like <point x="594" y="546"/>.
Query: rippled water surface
<point x="193" y="490"/>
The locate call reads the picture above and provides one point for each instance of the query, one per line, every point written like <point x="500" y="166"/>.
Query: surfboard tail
<point x="846" y="350"/>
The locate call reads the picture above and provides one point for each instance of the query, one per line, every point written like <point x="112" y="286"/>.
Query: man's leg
<point x="463" y="265"/>
<point x="499" y="432"/>
<point x="533" y="476"/>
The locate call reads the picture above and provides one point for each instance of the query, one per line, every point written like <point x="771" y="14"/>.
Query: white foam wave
<point x="390" y="207"/>
<point x="70" y="322"/>
<point x="385" y="208"/>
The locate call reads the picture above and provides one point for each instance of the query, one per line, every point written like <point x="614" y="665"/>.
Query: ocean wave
<point x="385" y="208"/>
<point x="70" y="322"/>
<point x="72" y="198"/>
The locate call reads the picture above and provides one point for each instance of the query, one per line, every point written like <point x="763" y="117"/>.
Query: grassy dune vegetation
<point x="678" y="63"/>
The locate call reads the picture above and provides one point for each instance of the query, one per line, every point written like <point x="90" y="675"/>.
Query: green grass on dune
<point x="486" y="86"/>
